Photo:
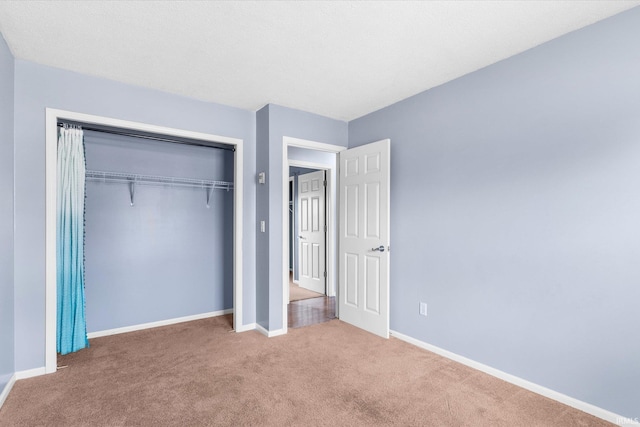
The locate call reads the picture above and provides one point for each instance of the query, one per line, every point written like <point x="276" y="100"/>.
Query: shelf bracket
<point x="132" y="190"/>
<point x="209" y="190"/>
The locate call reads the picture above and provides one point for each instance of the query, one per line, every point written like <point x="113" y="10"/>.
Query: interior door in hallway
<point x="364" y="237"/>
<point x="312" y="233"/>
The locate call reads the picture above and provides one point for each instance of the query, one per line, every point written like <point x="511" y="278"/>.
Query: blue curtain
<point x="72" y="328"/>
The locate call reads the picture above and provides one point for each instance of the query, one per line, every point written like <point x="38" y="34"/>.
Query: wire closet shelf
<point x="103" y="176"/>
<point x="137" y="179"/>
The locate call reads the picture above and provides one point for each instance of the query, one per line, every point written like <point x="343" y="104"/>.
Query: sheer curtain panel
<point x="71" y="326"/>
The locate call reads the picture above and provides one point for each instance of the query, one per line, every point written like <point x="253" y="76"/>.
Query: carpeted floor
<point x="297" y="293"/>
<point x="202" y="374"/>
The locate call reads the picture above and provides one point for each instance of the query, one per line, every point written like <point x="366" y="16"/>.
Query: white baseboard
<point x="35" y="372"/>
<point x="520" y="382"/>
<point x="149" y="325"/>
<point x="277" y="333"/>
<point x="262" y="330"/>
<point x="270" y="334"/>
<point x="7" y="389"/>
<point x="247" y="327"/>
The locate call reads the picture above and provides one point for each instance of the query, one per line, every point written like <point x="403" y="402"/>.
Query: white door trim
<point x="52" y="118"/>
<point x="313" y="145"/>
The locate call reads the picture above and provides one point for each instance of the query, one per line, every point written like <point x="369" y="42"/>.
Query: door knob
<point x="302" y="237"/>
<point x="380" y="249"/>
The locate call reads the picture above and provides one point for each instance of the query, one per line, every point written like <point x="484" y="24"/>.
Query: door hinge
<point x="324" y="182"/>
<point x="325" y="274"/>
<point x="325" y="228"/>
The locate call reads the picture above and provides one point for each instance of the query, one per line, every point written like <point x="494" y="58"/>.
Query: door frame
<point x="51" y="130"/>
<point x="318" y="146"/>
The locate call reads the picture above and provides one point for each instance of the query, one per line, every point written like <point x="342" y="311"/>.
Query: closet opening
<point x="163" y="226"/>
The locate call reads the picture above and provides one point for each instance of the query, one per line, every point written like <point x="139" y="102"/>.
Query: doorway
<point x="364" y="285"/>
<point x="312" y="156"/>
<point x="308" y="300"/>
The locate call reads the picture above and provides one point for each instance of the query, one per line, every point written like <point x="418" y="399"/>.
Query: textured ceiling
<point x="339" y="59"/>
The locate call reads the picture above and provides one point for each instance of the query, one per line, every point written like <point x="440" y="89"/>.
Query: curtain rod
<point x="144" y="136"/>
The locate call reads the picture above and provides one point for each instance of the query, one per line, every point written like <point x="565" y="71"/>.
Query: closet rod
<point x="145" y="136"/>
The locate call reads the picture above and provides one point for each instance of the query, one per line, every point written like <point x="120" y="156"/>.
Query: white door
<point x="364" y="237"/>
<point x="312" y="234"/>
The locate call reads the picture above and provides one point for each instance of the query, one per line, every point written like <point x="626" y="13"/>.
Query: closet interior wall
<point x="168" y="255"/>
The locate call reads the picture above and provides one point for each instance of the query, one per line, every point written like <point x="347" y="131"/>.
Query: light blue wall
<point x="515" y="213"/>
<point x="169" y="255"/>
<point x="38" y="87"/>
<point x="6" y="215"/>
<point x="282" y="121"/>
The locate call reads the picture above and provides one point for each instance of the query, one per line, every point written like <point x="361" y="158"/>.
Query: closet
<point x="158" y="230"/>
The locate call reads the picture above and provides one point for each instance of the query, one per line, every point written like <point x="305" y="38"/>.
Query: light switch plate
<point x="423" y="308"/>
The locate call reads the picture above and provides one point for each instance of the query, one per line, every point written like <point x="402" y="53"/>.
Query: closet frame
<point x="53" y="116"/>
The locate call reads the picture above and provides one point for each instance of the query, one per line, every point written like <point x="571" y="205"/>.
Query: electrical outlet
<point x="423" y="309"/>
